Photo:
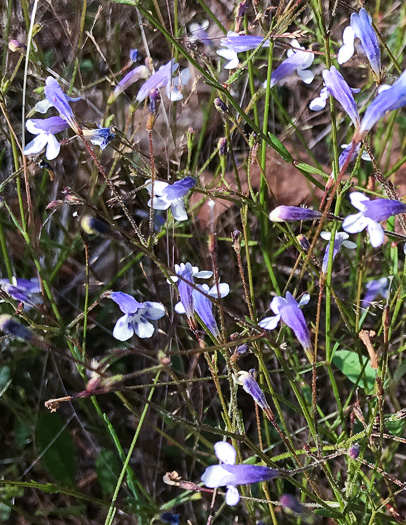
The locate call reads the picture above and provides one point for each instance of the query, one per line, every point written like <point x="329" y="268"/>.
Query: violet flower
<point x="361" y="27"/>
<point x="11" y="326"/>
<point x="199" y="303"/>
<point x="26" y="291"/>
<point x="388" y="99"/>
<point x="370" y="214"/>
<point x="189" y="273"/>
<point x="56" y="97"/>
<point x="235" y="43"/>
<point x="340" y="240"/>
<point x="293" y="213"/>
<point x="375" y="288"/>
<point x="298" y="60"/>
<point x="171" y="195"/>
<point x="198" y="32"/>
<point x="349" y="149"/>
<point x="139" y="72"/>
<point x="289" y="502"/>
<point x="341" y="91"/>
<point x="162" y="78"/>
<point x="99" y="136"/>
<point x="45" y="129"/>
<point x="136" y="317"/>
<point x="229" y="474"/>
<point x="288" y="310"/>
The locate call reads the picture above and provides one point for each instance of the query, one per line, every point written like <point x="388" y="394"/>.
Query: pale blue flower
<point x="163" y="78"/>
<point x="298" y="61"/>
<point x="361" y="27"/>
<point x="26" y="291"/>
<point x="136" y="316"/>
<point x="99" y="136"/>
<point x="370" y="214"/>
<point x="341" y="91"/>
<point x="375" y="288"/>
<point x="45" y="130"/>
<point x="139" y="72"/>
<point x="198" y="32"/>
<point x="56" y="98"/>
<point x="229" y="474"/>
<point x="171" y="195"/>
<point x="293" y="213"/>
<point x="288" y="310"/>
<point x="340" y="240"/>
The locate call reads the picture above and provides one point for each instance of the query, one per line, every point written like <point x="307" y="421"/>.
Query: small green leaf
<point x="4" y="379"/>
<point x="59" y="458"/>
<point x="108" y="469"/>
<point x="353" y="367"/>
<point x="396" y="427"/>
<point x="400" y="372"/>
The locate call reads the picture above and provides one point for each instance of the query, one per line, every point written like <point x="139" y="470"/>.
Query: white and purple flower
<point x="361" y="27"/>
<point x="293" y="213"/>
<point x="163" y="78"/>
<point x="340" y="240"/>
<point x="26" y="291"/>
<point x="45" y="130"/>
<point x="299" y="60"/>
<point x="229" y="474"/>
<point x="136" y="318"/>
<point x="139" y="72"/>
<point x="375" y="288"/>
<point x="171" y="195"/>
<point x="288" y="310"/>
<point x="371" y="213"/>
<point x="235" y="43"/>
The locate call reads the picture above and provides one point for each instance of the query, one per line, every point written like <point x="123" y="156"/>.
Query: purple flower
<point x="341" y="91"/>
<point x="99" y="136"/>
<point x="187" y="272"/>
<point x="370" y="214"/>
<point x="348" y="148"/>
<point x="200" y="304"/>
<point x="162" y="78"/>
<point x="298" y="60"/>
<point x="171" y="195"/>
<point x="375" y="288"/>
<point x="361" y="27"/>
<point x="235" y="43"/>
<point x="136" y="318"/>
<point x="288" y="310"/>
<point x="339" y="241"/>
<point x="134" y="55"/>
<point x="229" y="474"/>
<point x="354" y="451"/>
<point x="251" y="387"/>
<point x="389" y="98"/>
<point x="45" y="129"/>
<point x="198" y="33"/>
<point x="293" y="213"/>
<point x="23" y="290"/>
<point x="139" y="72"/>
<point x="56" y="97"/>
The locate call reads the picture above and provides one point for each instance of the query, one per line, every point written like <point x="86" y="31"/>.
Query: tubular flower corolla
<point x="229" y="474"/>
<point x="340" y="240"/>
<point x="45" y="130"/>
<point x="171" y="195"/>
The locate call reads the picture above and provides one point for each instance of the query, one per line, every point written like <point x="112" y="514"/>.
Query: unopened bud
<point x="222" y="145"/>
<point x="303" y="241"/>
<point x="16" y="47"/>
<point x="12" y="327"/>
<point x="154" y="99"/>
<point x="354" y="451"/>
<point x="242" y="8"/>
<point x="92" y="225"/>
<point x="293" y="213"/>
<point x="220" y="105"/>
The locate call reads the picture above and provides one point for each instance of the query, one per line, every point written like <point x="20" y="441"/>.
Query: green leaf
<point x="396" y="427"/>
<point x="352" y="366"/>
<point x="59" y="458"/>
<point x="108" y="469"/>
<point x="280" y="148"/>
<point x="400" y="372"/>
<point x="4" y="379"/>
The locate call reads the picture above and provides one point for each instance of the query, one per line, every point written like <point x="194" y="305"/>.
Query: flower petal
<point x="355" y="223"/>
<point x="178" y="210"/>
<point x="124" y="328"/>
<point x="36" y="145"/>
<point x="143" y="328"/>
<point x="223" y="288"/>
<point x="153" y="310"/>
<point x="126" y="302"/>
<point x="270" y="323"/>
<point x="53" y="147"/>
<point x="232" y="496"/>
<point x="225" y="452"/>
<point x="159" y="203"/>
<point x="376" y="233"/>
<point x="179" y="308"/>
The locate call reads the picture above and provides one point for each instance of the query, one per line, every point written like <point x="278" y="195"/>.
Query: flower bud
<point x="220" y="105"/>
<point x="12" y="327"/>
<point x="293" y="213"/>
